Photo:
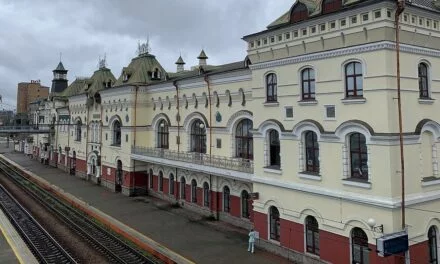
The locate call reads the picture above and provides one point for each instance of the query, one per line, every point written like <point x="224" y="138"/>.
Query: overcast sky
<point x="34" y="32"/>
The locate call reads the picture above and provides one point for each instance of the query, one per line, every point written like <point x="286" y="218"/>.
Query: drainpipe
<point x="400" y="7"/>
<point x="68" y="142"/>
<point x="100" y="143"/>
<point x="134" y="137"/>
<point x="56" y="141"/>
<point x="206" y="78"/>
<point x="178" y="135"/>
<point x="87" y="137"/>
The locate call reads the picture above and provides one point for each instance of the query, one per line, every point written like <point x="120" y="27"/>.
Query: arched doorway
<point x="118" y="178"/>
<point x="274" y="224"/>
<point x="73" y="164"/>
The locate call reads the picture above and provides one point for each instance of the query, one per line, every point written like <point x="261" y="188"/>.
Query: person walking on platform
<point x="251" y="241"/>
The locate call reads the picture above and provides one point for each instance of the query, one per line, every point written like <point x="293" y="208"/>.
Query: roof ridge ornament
<point x="102" y="63"/>
<point x="144" y="48"/>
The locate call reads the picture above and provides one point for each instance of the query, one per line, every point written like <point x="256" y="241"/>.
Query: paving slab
<point x="188" y="235"/>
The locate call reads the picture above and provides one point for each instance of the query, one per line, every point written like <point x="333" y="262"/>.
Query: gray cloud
<point x="34" y="32"/>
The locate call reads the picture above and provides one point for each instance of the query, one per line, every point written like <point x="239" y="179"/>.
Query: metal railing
<point x="40" y="128"/>
<point x="236" y="164"/>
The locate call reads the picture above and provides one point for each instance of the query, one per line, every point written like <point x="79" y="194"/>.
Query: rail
<point x="42" y="245"/>
<point x="235" y="164"/>
<point x="117" y="250"/>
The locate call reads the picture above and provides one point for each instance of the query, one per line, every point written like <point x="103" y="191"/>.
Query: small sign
<point x="254" y="196"/>
<point x="257" y="235"/>
<point x="391" y="244"/>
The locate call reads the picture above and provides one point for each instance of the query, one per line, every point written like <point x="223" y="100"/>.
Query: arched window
<point x="308" y="84"/>
<point x="299" y="13"/>
<point x="274" y="149"/>
<point x="423" y="81"/>
<point x="244" y="144"/>
<point x="226" y="199"/>
<point x="78" y="130"/>
<point x="358" y="157"/>
<point x="427" y="149"/>
<point x="353" y="80"/>
<point x="171" y="184"/>
<point x="329" y="6"/>
<point x="151" y="178"/>
<point x="198" y="137"/>
<point x="160" y="181"/>
<point x="359" y="246"/>
<point x="182" y="188"/>
<point x="117" y="133"/>
<point x="432" y="244"/>
<point x="163" y="135"/>
<point x="312" y="152"/>
<point x="194" y="191"/>
<point x="245" y="204"/>
<point x="274" y="223"/>
<point x="271" y="87"/>
<point x="312" y="235"/>
<point x="206" y="195"/>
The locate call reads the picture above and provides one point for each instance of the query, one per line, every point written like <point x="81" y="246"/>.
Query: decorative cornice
<point x="383" y="45"/>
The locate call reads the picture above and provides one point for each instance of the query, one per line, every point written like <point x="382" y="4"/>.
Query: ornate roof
<point x="60" y="67"/>
<point x="99" y="81"/>
<point x="314" y="8"/>
<point x="202" y="55"/>
<point x="76" y="87"/>
<point x="180" y="61"/>
<point x="140" y="71"/>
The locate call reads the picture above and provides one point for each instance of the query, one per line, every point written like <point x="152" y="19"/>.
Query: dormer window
<point x="299" y="13"/>
<point x="125" y="77"/>
<point x="156" y="74"/>
<point x="329" y="6"/>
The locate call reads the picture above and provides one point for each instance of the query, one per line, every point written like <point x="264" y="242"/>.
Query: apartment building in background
<point x="28" y="92"/>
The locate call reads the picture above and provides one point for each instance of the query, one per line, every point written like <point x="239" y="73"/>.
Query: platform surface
<point x="195" y="239"/>
<point x="12" y="247"/>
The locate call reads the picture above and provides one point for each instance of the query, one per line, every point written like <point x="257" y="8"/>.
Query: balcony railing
<point x="235" y="164"/>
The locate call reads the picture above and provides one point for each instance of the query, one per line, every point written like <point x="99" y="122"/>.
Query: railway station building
<point x="299" y="139"/>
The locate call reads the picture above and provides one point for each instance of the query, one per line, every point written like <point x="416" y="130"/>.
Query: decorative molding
<point x="306" y="176"/>
<point x="365" y="185"/>
<point x="382" y="45"/>
<point x="348" y="101"/>
<point x="379" y="201"/>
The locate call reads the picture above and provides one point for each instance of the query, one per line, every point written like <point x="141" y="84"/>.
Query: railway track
<point x="103" y="240"/>
<point x="41" y="244"/>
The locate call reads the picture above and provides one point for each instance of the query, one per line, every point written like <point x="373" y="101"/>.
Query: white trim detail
<point x="365" y="185"/>
<point x="310" y="177"/>
<point x="382" y="45"/>
<point x="272" y="171"/>
<point x="431" y="183"/>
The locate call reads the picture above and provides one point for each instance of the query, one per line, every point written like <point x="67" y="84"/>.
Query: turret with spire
<point x="59" y="82"/>
<point x="180" y="64"/>
<point x="202" y="58"/>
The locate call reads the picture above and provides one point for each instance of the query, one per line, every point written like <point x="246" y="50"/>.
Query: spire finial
<point x="102" y="63"/>
<point x="61" y="55"/>
<point x="144" y="48"/>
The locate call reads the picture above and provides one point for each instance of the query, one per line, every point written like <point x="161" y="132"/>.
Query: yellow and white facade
<point x="299" y="140"/>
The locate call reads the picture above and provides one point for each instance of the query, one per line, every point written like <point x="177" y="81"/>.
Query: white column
<point x="301" y="156"/>
<point x="434" y="160"/>
<point x="345" y="161"/>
